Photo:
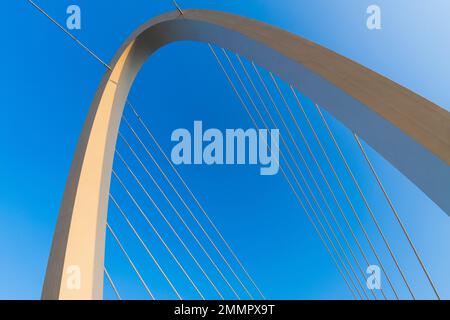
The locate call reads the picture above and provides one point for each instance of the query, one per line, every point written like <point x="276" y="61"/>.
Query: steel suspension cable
<point x="174" y="2"/>
<point x="164" y="243"/>
<point x="320" y="171"/>
<point x="357" y="186"/>
<point x="83" y="46"/>
<point x="145" y="246"/>
<point x="341" y="186"/>
<point x="182" y="200"/>
<point x="109" y="68"/>
<point x="192" y="195"/>
<point x="345" y="193"/>
<point x="318" y="166"/>
<point x="173" y="229"/>
<point x="395" y="213"/>
<point x="336" y="176"/>
<point x="111" y="282"/>
<point x="130" y="261"/>
<point x="177" y="6"/>
<point x="301" y="173"/>
<point x="284" y="174"/>
<point x="298" y="168"/>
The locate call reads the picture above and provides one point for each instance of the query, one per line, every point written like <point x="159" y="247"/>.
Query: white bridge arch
<point x="412" y="133"/>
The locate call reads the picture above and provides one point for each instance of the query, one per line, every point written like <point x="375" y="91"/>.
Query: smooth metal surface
<point x="409" y="131"/>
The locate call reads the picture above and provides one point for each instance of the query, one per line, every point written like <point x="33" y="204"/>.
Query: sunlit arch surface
<point x="409" y="131"/>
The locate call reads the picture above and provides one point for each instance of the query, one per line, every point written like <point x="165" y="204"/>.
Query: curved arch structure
<point x="409" y="131"/>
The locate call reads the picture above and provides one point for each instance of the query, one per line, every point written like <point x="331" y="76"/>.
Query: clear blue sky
<point x="47" y="86"/>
